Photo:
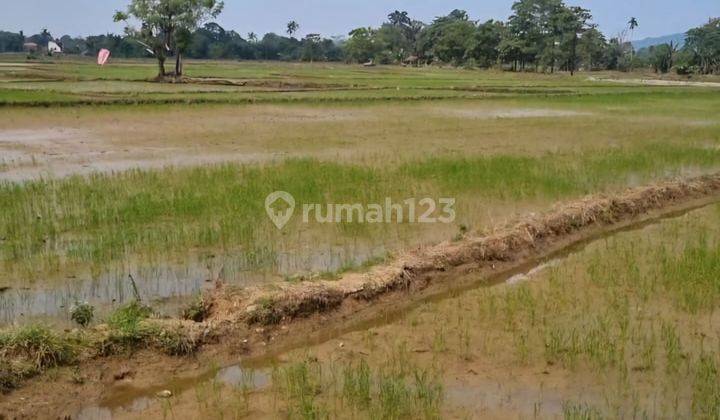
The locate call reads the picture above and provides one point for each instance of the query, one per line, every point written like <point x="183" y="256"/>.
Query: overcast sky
<point x="338" y="17"/>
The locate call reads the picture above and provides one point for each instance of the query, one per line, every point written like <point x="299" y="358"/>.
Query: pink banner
<point x="103" y="56"/>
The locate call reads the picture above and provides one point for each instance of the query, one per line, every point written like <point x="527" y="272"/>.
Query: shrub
<point x="82" y="313"/>
<point x="37" y="345"/>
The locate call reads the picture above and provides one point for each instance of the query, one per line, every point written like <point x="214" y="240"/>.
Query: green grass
<point x="38" y="345"/>
<point x="632" y="309"/>
<point x="126" y="82"/>
<point x="692" y="276"/>
<point x="554" y="175"/>
<point x="33" y="349"/>
<point x="306" y="390"/>
<point x="52" y="225"/>
<point x="130" y="328"/>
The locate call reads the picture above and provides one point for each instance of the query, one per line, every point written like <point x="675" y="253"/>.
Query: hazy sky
<point x="337" y="17"/>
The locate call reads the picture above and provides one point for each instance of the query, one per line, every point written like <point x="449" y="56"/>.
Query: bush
<point x="82" y="313"/>
<point x="127" y="318"/>
<point x="37" y="345"/>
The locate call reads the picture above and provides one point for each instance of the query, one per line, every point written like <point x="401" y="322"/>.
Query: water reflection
<point x="235" y="376"/>
<point x="169" y="285"/>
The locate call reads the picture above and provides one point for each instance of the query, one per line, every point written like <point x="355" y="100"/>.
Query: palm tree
<point x="398" y="18"/>
<point x="252" y="37"/>
<point x="632" y="24"/>
<point x="292" y="27"/>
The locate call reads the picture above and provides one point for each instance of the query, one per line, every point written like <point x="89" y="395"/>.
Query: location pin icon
<point x="280" y="217"/>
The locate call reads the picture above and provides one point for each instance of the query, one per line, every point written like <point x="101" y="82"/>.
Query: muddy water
<point x="480" y="376"/>
<point x="232" y="376"/>
<point x="168" y="286"/>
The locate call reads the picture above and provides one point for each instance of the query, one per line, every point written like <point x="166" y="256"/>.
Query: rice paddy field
<point x="107" y="176"/>
<point x="621" y="327"/>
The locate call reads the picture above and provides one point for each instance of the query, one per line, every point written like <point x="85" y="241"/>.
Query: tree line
<point x="540" y="35"/>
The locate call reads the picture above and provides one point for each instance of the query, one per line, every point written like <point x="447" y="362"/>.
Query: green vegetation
<point x="630" y="309"/>
<point x="539" y="35"/>
<point x="622" y="328"/>
<point x="82" y="313"/>
<point x="167" y="26"/>
<point x="30" y="350"/>
<point x="633" y="313"/>
<point x="37" y="345"/>
<point x="53" y="225"/>
<point x="34" y="349"/>
<point x="304" y="390"/>
<point x="130" y="329"/>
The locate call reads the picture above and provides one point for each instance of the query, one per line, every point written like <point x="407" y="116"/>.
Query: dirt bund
<point x="532" y="237"/>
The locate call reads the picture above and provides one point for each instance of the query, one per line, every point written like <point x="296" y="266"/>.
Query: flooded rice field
<point x="168" y="281"/>
<point x="139" y="206"/>
<point x="168" y="285"/>
<point x="622" y="326"/>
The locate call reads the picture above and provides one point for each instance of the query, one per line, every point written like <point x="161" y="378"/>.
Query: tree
<point x="165" y="25"/>
<point x="592" y="49"/>
<point x="402" y="36"/>
<point x="452" y="41"/>
<point x="484" y="45"/>
<point x="252" y="37"/>
<point x="11" y="42"/>
<point x="661" y="57"/>
<point x="394" y="42"/>
<point x="399" y="19"/>
<point x="362" y="46"/>
<point x="446" y="38"/>
<point x="312" y="48"/>
<point x="615" y="55"/>
<point x="534" y="37"/>
<point x="704" y="44"/>
<point x="573" y="23"/>
<point x="632" y="25"/>
<point x="292" y="27"/>
<point x="42" y="38"/>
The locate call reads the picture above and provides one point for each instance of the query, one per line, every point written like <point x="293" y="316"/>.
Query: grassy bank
<point x="32" y="350"/>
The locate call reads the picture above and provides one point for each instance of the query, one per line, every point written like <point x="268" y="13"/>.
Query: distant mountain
<point x="648" y="42"/>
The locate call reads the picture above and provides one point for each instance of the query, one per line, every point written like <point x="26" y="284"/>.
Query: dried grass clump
<point x="294" y="303"/>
